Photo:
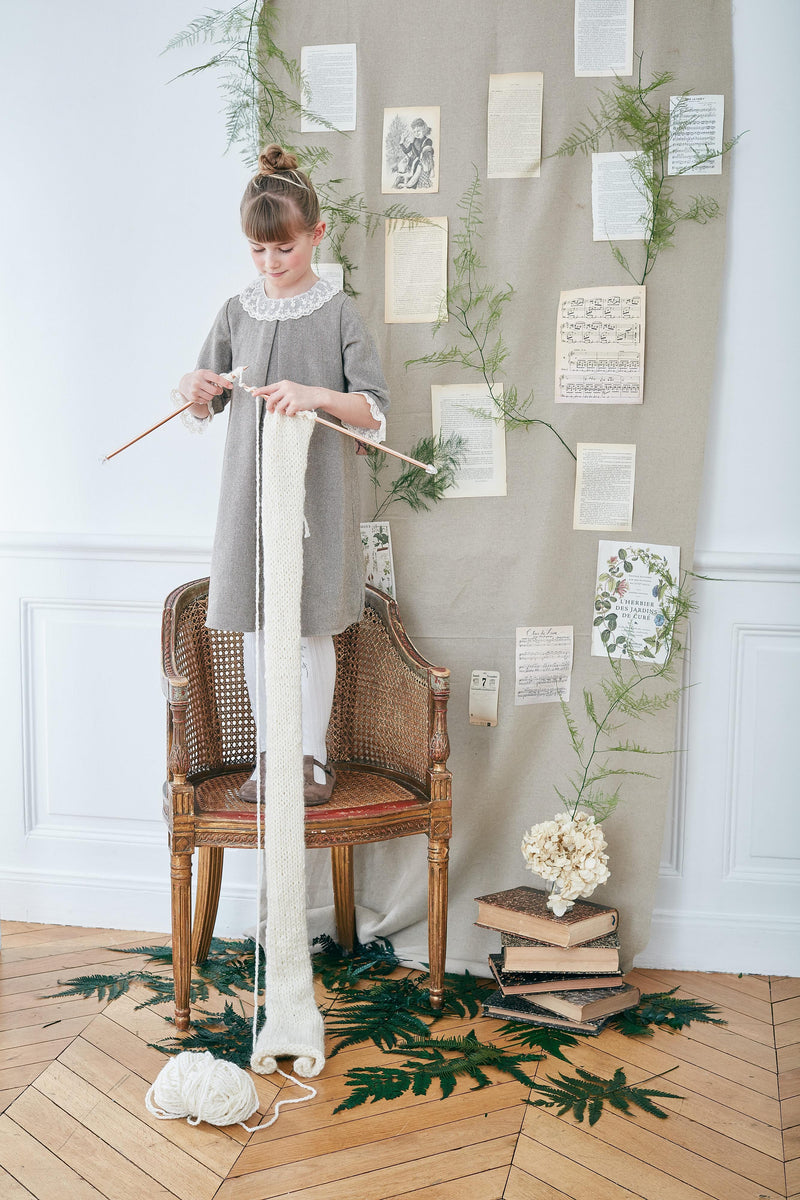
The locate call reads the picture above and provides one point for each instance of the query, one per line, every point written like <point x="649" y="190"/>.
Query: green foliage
<point x="339" y="969"/>
<point x="577" y="1093"/>
<point x="387" y="1013"/>
<point x="393" y="1014"/>
<point x="465" y="994"/>
<point x="227" y="1034"/>
<point x="539" y="1037"/>
<point x="105" y="987"/>
<point x="665" y="1010"/>
<point x="629" y="114"/>
<point x="413" y="486"/>
<point x="433" y="1059"/>
<point x="230" y="965"/>
<point x="627" y="691"/>
<point x="395" y="1010"/>
<point x="477" y="307"/>
<point x="259" y="85"/>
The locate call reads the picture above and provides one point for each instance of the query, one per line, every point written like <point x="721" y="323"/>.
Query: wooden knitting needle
<point x="429" y="468"/>
<point x="139" y="437"/>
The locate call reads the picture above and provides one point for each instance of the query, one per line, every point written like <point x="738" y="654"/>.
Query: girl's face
<point x="286" y="266"/>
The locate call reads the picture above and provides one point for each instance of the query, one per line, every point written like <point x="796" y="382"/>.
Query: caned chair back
<point x="382" y="713"/>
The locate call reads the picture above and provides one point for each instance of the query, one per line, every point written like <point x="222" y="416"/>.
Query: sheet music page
<point x="629" y="594"/>
<point x="543" y="664"/>
<point x="620" y="203"/>
<point x="604" y="478"/>
<point x="515" y="126"/>
<point x="695" y="128"/>
<point x="329" y="91"/>
<point x="600" y="346"/>
<point x="603" y="37"/>
<point x="467" y="409"/>
<point x="416" y="271"/>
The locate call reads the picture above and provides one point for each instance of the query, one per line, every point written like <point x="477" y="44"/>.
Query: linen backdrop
<point x="471" y="570"/>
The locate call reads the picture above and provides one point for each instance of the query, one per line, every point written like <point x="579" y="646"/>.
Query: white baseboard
<point x="99" y="902"/>
<point x="704" y="941"/>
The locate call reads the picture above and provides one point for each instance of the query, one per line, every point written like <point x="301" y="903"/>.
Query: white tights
<point x="317" y="681"/>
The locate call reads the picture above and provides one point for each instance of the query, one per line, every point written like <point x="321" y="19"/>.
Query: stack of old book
<point x="556" y="971"/>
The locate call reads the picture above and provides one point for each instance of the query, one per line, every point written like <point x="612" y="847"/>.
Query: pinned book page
<point x="600" y="346"/>
<point x="603" y="37"/>
<point x="484" y="689"/>
<point x="543" y="664"/>
<point x="416" y="271"/>
<point x="620" y="200"/>
<point x="332" y="272"/>
<point x="695" y="131"/>
<point x="604" y="477"/>
<point x="514" y="149"/>
<point x="376" y="542"/>
<point x="329" y="87"/>
<point x="468" y="410"/>
<point x="410" y="161"/>
<point x="633" y="583"/>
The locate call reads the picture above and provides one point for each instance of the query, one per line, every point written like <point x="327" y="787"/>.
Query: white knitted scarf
<point x="293" y="1023"/>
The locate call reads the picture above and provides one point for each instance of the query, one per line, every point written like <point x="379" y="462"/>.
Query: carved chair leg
<point x="344" y="895"/>
<point x="209" y="880"/>
<point x="438" y="856"/>
<point x="181" y="935"/>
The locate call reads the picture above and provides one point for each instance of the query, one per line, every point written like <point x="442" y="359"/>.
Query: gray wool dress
<point x="317" y="339"/>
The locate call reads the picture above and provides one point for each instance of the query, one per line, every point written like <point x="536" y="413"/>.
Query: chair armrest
<point x="175" y="686"/>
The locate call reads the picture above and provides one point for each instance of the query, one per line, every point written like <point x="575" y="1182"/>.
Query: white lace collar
<point x="256" y="303"/>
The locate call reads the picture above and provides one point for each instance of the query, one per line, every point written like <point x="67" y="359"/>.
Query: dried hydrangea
<point x="570" y="852"/>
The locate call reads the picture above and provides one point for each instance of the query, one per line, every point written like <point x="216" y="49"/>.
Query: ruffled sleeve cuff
<point x="188" y="419"/>
<point x="370" y="435"/>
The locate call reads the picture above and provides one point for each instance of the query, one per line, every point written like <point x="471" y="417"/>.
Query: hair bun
<point x="275" y="158"/>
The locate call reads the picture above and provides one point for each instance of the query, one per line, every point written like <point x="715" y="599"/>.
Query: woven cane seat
<point x="354" y="794"/>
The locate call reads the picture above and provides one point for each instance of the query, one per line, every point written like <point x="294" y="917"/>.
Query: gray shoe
<point x="249" y="790"/>
<point x="317" y="793"/>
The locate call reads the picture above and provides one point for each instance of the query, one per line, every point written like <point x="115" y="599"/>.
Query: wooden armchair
<point x="387" y="738"/>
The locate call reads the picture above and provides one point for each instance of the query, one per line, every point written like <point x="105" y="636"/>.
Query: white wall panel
<point x="88" y="677"/>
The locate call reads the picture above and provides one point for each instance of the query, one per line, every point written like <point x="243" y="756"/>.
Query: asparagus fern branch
<point x="413" y="486"/>
<point x="260" y="84"/>
<point x="631" y="115"/>
<point x="477" y="308"/>
<point x="626" y="693"/>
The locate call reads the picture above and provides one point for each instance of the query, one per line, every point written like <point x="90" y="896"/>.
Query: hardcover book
<point x="528" y="954"/>
<point x="526" y="983"/>
<point x="524" y="910"/>
<point x="589" y="1004"/>
<point x="515" y="1008"/>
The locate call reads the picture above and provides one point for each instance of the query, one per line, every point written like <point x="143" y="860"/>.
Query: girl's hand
<point x="202" y="387"/>
<point x="289" y="398"/>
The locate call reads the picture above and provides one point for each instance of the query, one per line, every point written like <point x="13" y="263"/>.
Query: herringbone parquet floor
<point x="73" y="1075"/>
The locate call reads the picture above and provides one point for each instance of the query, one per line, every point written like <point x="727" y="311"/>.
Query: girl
<point x="305" y="347"/>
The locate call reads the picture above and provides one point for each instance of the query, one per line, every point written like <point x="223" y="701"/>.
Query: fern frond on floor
<point x="429" y="1060"/>
<point x="339" y="968"/>
<point x="538" y="1037"/>
<point x="664" y="1010"/>
<point x="588" y="1093"/>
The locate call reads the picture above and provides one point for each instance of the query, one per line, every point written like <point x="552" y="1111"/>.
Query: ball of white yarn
<point x="202" y="1088"/>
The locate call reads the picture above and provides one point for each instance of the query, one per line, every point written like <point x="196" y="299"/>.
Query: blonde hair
<point x="279" y="201"/>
